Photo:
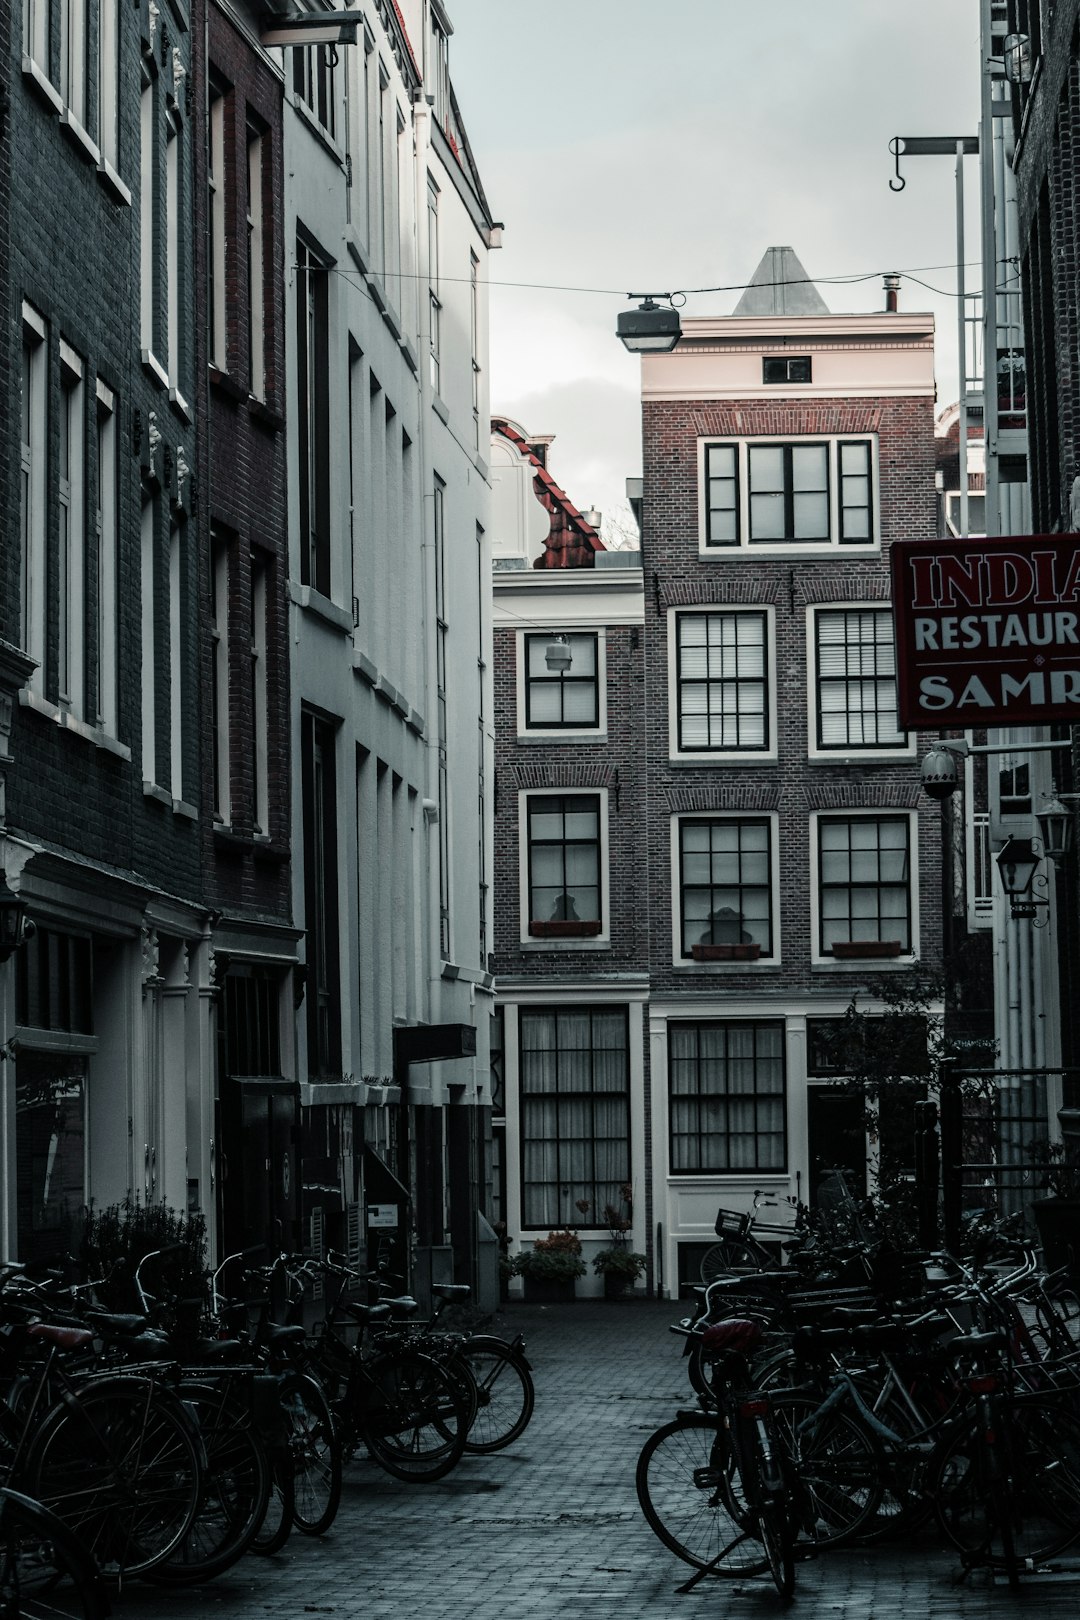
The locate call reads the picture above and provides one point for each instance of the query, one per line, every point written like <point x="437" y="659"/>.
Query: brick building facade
<point x="781" y="860"/>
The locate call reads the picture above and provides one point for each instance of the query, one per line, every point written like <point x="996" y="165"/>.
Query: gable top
<point x="572" y="541"/>
<point x="780" y="286"/>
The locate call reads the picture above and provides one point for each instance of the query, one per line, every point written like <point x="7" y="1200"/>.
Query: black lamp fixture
<point x="557" y="655"/>
<point x="1017" y="862"/>
<point x="15" y="925"/>
<point x="1055" y="828"/>
<point x="649" y="329"/>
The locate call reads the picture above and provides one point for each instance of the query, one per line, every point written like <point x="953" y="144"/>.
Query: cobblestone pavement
<point x="552" y="1526"/>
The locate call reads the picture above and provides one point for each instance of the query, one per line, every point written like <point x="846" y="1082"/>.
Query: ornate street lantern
<point x="15" y="925"/>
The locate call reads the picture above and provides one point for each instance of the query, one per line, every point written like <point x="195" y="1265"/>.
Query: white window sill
<point x="531" y="738"/>
<point x="321" y="133"/>
<point x="42" y="85"/>
<point x="787" y="551"/>
<point x="29" y="698"/>
<point x="321" y="607"/>
<point x="159" y="795"/>
<point x="442" y="411"/>
<point x="694" y="969"/>
<point x="187" y="811"/>
<point x="586" y="943"/>
<point x="864" y="964"/>
<point x="180" y="405"/>
<point x="857" y="757"/>
<point x="79" y="137"/>
<point x="154" y="368"/>
<point x="721" y="758"/>
<point x="113" y="183"/>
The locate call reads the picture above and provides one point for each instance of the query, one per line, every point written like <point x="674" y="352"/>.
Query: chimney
<point x="892" y="292"/>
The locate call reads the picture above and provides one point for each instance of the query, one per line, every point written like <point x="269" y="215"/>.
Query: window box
<point x="855" y="949"/>
<point x="571" y="928"/>
<point x="726" y="953"/>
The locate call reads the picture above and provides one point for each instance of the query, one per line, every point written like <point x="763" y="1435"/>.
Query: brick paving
<point x="552" y="1525"/>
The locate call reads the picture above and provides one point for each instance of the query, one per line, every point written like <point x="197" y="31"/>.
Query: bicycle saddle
<point x="65" y="1338"/>
<point x="451" y="1290"/>
<point x="737" y="1336"/>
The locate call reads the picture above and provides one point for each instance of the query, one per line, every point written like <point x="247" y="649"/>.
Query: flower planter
<point x="866" y="949"/>
<point x="726" y="953"/>
<point x="548" y="1291"/>
<point x="564" y="930"/>
<point x="616" y="1284"/>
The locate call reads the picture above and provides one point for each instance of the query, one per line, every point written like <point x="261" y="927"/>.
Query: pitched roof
<point x="572" y="541"/>
<point x="780" y="286"/>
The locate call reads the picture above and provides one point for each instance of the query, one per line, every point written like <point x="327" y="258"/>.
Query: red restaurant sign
<point x="987" y="631"/>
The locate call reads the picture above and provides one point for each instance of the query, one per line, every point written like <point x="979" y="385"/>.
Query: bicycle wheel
<point x="774" y="1533"/>
<point x="688" y="1492"/>
<point x="118" y="1465"/>
<point x="235" y="1492"/>
<point x="415" y="1419"/>
<point x="1028" y="1494"/>
<point x="505" y="1394"/>
<point x="832" y="1465"/>
<point x="44" y="1572"/>
<point x="279" y="1517"/>
<point x="732" y="1255"/>
<point x="316" y="1455"/>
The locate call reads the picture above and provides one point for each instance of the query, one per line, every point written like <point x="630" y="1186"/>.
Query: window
<point x="147" y="231"/>
<point x="36" y="31"/>
<point x="313" y="388"/>
<point x="563" y="839"/>
<point x="727" y="1101"/>
<point x="106" y="537"/>
<point x="174" y="237"/>
<point x="864" y="874"/>
<point x="434" y="303"/>
<point x="176" y="662"/>
<point x="725" y="888"/>
<point x="260" y="568"/>
<point x="575" y="1113"/>
<point x="804" y="492"/>
<point x="148" y="651"/>
<point x="323" y="997"/>
<point x="219" y="676"/>
<point x="786" y="369"/>
<point x="313" y="82"/>
<point x="73" y="57"/>
<point x="217" y="335"/>
<point x="71" y="538"/>
<point x="562" y="699"/>
<point x="256" y="332"/>
<point x="109" y="81"/>
<point x="474" y="339"/>
<point x="721" y="685"/>
<point x="856" y="679"/>
<point x="33" y="463"/>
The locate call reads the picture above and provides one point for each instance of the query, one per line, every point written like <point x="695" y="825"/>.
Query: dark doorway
<point x="836" y="1137"/>
<point x="261" y="1168"/>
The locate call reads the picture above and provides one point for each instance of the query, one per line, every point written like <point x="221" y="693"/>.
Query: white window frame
<point x="720" y="756"/>
<point x="743" y="547"/>
<point x="215" y="180"/>
<point x="256" y="265"/>
<point x="108" y="131"/>
<point x="864" y="964"/>
<point x="71" y="538"/>
<point x="855" y="751"/>
<point x="36" y="32"/>
<point x="259" y="685"/>
<point x="763" y="963"/>
<point x="106" y="526"/>
<point x="73" y="58"/>
<point x="34" y="458"/>
<point x="176" y="662"/>
<point x="173" y="239"/>
<point x="592" y="942"/>
<point x="147" y="232"/>
<point x="596" y="733"/>
<point x="219" y="635"/>
<point x="149" y="646"/>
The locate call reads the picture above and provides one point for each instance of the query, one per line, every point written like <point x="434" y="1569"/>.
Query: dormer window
<point x="786" y="368"/>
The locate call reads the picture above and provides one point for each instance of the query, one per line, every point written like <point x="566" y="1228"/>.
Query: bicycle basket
<point x="729" y="1223"/>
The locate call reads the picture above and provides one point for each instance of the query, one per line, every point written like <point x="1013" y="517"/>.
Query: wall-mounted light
<point x="1017" y="862"/>
<point x="15" y="925"/>
<point x="557" y="655"/>
<point x="1055" y="828"/>
<point x="314" y="28"/>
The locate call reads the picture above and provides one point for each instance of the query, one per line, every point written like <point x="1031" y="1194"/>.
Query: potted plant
<point x="748" y="951"/>
<point x="866" y="949"/>
<point x="550" y="1268"/>
<point x="618" y="1264"/>
<point x="565" y="928"/>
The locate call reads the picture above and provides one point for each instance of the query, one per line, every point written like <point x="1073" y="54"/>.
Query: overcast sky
<point x="637" y="147"/>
